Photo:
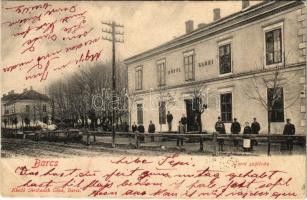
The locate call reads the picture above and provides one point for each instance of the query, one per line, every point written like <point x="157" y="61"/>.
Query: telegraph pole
<point x="114" y="40"/>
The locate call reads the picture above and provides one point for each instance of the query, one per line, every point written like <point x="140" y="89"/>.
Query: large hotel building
<point x="233" y="63"/>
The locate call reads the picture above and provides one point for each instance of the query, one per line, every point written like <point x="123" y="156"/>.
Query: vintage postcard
<point x="153" y="99"/>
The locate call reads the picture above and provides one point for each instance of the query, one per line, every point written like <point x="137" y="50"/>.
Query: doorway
<point x="192" y="119"/>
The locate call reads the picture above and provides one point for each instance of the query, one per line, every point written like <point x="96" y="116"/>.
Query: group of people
<point x="235" y="128"/>
<point x="152" y="128"/>
<point x="289" y="129"/>
<point x="141" y="129"/>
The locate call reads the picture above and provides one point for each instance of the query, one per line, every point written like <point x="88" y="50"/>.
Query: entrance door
<point x="192" y="122"/>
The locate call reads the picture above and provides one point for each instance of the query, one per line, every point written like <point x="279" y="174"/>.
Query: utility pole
<point x="114" y="40"/>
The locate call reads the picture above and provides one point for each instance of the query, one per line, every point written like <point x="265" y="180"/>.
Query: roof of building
<point x="263" y="9"/>
<point x="26" y="95"/>
<point x="32" y="95"/>
<point x="9" y="97"/>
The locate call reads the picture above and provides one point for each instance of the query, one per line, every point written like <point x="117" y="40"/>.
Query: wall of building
<point x="19" y="108"/>
<point x="247" y="51"/>
<point x="2" y="108"/>
<point x="247" y="55"/>
<point x="243" y="107"/>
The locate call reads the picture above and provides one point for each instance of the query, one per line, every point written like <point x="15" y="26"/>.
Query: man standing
<point x="134" y="127"/>
<point x="235" y="129"/>
<point x="169" y="118"/>
<point x="151" y="129"/>
<point x="220" y="129"/>
<point x="184" y="122"/>
<point x="255" y="130"/>
<point x="255" y="127"/>
<point x="181" y="130"/>
<point x="289" y="129"/>
<point x="141" y="129"/>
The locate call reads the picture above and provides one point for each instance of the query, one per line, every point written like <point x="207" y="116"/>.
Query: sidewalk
<point x="193" y="147"/>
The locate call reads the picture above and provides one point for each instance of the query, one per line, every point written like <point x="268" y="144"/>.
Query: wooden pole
<point x="113" y="83"/>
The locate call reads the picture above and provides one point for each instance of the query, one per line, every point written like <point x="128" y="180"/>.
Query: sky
<point x="146" y="25"/>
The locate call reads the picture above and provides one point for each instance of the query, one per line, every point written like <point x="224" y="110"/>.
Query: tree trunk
<point x="120" y="120"/>
<point x="201" y="148"/>
<point x="130" y="115"/>
<point x="86" y="122"/>
<point x="82" y="122"/>
<point x="22" y="125"/>
<point x="200" y="123"/>
<point x="269" y="132"/>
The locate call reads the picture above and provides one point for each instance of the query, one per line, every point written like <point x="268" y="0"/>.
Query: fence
<point x="273" y="138"/>
<point x="90" y="136"/>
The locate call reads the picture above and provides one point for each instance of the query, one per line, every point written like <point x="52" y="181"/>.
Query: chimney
<point x="24" y="90"/>
<point x="12" y="91"/>
<point x="189" y="26"/>
<point x="216" y="14"/>
<point x="245" y="4"/>
<point x="31" y="88"/>
<point x="201" y="25"/>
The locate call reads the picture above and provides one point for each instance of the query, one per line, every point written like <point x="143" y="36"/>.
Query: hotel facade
<point x="233" y="63"/>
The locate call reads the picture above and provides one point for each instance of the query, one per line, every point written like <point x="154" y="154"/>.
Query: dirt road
<point x="12" y="147"/>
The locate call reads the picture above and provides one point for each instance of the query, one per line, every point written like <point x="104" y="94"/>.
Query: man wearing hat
<point x="289" y="129"/>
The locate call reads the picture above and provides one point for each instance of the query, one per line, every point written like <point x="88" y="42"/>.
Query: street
<point x="13" y="147"/>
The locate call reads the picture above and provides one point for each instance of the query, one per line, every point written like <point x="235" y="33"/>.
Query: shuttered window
<point x="189" y="64"/>
<point x="226" y="107"/>
<point x="225" y="58"/>
<point x="276" y="99"/>
<point x="273" y="40"/>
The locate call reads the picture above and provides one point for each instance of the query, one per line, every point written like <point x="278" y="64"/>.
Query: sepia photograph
<point x="154" y="99"/>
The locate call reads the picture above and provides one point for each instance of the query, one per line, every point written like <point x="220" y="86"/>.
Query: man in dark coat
<point x="220" y="129"/>
<point x="141" y="129"/>
<point x="184" y="122"/>
<point x="255" y="127"/>
<point x="169" y="118"/>
<point x="235" y="129"/>
<point x="255" y="130"/>
<point x="219" y="126"/>
<point x="134" y="127"/>
<point x="289" y="129"/>
<point x="151" y="129"/>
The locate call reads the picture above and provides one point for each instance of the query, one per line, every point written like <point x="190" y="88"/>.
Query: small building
<point x="24" y="109"/>
<point x="234" y="63"/>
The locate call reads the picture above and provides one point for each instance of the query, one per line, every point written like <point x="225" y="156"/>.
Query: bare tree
<point x="165" y="100"/>
<point x="198" y="103"/>
<point x="24" y="116"/>
<point x="273" y="82"/>
<point x="72" y="97"/>
<point x="56" y="94"/>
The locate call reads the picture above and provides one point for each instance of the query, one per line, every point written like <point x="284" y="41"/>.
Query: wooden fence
<point x="90" y="136"/>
